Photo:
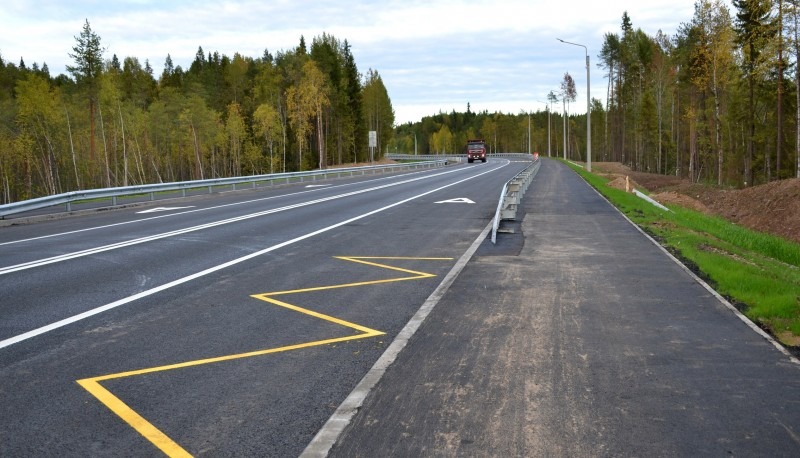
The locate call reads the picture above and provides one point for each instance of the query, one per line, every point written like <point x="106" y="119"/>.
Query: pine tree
<point x="88" y="56"/>
<point x="752" y="28"/>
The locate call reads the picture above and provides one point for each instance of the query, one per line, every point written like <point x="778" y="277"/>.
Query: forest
<point x="718" y="102"/>
<point x="114" y="123"/>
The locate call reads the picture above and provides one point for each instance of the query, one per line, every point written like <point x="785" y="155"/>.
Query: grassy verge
<point x="757" y="272"/>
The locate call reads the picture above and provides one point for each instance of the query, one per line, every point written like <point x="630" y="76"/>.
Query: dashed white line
<point x="89" y="313"/>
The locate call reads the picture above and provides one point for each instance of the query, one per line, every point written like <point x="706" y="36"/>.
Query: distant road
<point x="233" y="324"/>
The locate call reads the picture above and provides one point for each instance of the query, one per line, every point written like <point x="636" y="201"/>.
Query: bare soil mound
<point x="675" y="198"/>
<point x="620" y="183"/>
<point x="772" y="207"/>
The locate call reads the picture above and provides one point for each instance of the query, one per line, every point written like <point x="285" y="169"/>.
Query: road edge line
<point x="702" y="282"/>
<point x="324" y="440"/>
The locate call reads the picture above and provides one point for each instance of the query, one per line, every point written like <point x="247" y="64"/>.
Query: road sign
<point x="373" y="139"/>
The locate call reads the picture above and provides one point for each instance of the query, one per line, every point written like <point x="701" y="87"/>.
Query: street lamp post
<point x="588" y="108"/>
<point x="548" y="131"/>
<point x="547" y="107"/>
<point x="564" y="127"/>
<point x="529" y="132"/>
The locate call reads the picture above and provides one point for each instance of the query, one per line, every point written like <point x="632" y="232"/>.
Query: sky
<point x="495" y="55"/>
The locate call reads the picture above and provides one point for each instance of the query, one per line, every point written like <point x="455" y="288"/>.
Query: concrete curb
<point x="341" y="418"/>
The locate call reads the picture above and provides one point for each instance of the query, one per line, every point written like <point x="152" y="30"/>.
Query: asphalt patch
<point x="510" y="237"/>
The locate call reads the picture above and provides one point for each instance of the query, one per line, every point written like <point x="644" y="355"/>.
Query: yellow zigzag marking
<point x="170" y="447"/>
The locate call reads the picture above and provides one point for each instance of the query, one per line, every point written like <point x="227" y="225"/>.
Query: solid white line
<point x="150" y="238"/>
<point x="322" y="442"/>
<point x="170" y="215"/>
<point x="59" y="324"/>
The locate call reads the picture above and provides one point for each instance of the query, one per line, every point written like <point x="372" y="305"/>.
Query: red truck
<point x="475" y="149"/>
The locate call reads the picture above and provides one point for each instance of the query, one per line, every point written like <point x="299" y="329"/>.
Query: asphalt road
<point x="233" y="326"/>
<point x="579" y="336"/>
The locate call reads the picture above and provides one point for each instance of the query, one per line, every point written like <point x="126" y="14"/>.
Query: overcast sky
<point x="496" y="55"/>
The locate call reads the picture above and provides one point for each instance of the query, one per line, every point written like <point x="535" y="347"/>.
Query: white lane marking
<point x="150" y="238"/>
<point x="460" y="200"/>
<point x="163" y="209"/>
<point x="214" y="208"/>
<point x="89" y="313"/>
<point x="317" y="186"/>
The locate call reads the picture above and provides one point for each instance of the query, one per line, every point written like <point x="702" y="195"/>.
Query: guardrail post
<point x="152" y="196"/>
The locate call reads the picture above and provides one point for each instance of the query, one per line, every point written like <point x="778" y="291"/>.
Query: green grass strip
<point x="758" y="272"/>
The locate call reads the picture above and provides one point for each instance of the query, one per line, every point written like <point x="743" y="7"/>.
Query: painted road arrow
<point x="460" y="200"/>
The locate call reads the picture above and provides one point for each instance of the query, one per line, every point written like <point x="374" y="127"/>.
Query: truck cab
<point x="475" y="149"/>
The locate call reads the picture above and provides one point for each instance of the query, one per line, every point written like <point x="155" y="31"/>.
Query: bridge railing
<point x="69" y="198"/>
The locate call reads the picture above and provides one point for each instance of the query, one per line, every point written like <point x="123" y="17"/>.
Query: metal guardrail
<point x="113" y="193"/>
<point x="511" y="196"/>
<point x="411" y="157"/>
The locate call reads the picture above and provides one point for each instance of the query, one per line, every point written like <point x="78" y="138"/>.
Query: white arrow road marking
<point x="81" y="316"/>
<point x="460" y="200"/>
<point x="162" y="209"/>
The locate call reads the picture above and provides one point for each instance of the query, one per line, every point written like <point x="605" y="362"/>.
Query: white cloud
<point x="431" y="54"/>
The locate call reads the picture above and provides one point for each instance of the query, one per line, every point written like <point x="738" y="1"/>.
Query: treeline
<point x="712" y="103"/>
<point x="447" y="133"/>
<point x="717" y="102"/>
<point x="114" y="123"/>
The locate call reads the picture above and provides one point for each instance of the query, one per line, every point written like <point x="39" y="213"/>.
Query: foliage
<point x="113" y="123"/>
<point x="704" y="104"/>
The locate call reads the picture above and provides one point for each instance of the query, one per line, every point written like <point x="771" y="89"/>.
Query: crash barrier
<point x="511" y="196"/>
<point x="254" y="181"/>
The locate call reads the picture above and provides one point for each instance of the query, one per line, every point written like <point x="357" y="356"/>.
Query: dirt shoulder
<point x="773" y="208"/>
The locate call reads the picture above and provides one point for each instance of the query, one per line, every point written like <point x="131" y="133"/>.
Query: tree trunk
<point x="797" y="92"/>
<point x="72" y="148"/>
<point x="717" y="126"/>
<point x="748" y="163"/>
<point x="198" y="164"/>
<point x="124" y="149"/>
<point x="779" y="141"/>
<point x="320" y="147"/>
<point x="92" y="130"/>
<point x="105" y="149"/>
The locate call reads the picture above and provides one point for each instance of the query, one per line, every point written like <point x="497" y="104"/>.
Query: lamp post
<point x="529" y="132"/>
<point x="550" y="98"/>
<point x="588" y="108"/>
<point x="547" y="107"/>
<point x="564" y="128"/>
